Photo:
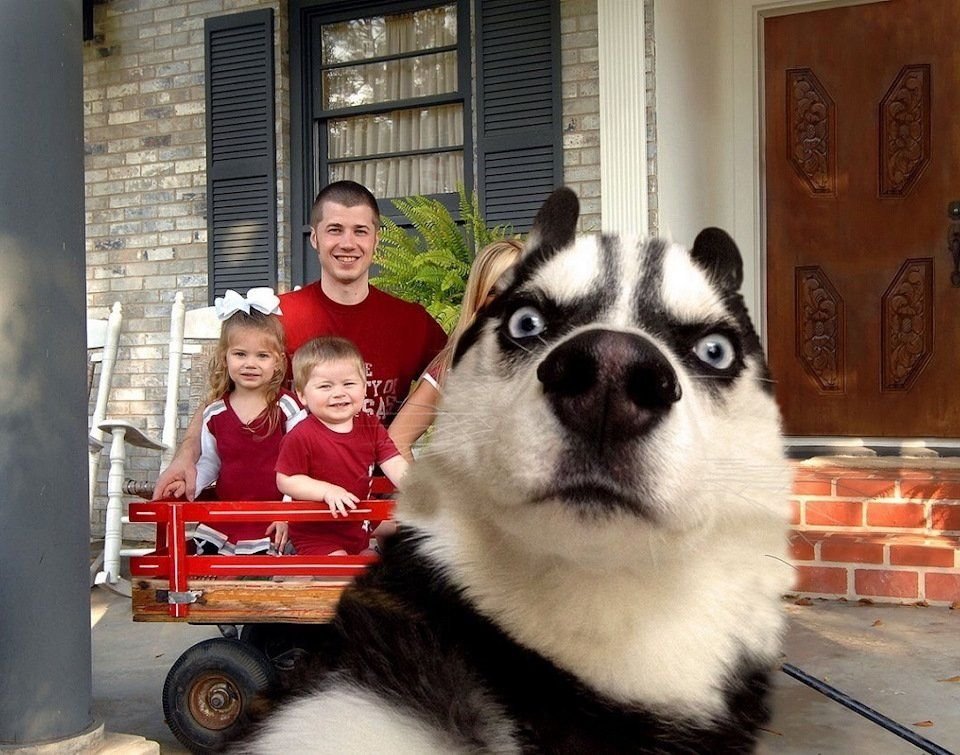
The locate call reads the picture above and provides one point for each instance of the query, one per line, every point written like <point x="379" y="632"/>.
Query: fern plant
<point x="429" y="263"/>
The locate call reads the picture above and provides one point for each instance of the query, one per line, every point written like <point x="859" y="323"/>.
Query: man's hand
<point x="181" y="475"/>
<point x="179" y="479"/>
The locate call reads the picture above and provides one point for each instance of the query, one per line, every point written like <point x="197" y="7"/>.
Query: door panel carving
<point x="905" y="130"/>
<point x="811" y="116"/>
<point x="820" y="328"/>
<point x="907" y="324"/>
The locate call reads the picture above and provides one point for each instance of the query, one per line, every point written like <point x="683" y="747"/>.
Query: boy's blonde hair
<point x="321" y="350"/>
<point x="267" y="325"/>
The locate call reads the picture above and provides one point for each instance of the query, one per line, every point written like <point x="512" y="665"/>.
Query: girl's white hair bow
<point x="261" y="299"/>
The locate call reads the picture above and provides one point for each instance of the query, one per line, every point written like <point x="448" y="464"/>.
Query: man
<point x="398" y="339"/>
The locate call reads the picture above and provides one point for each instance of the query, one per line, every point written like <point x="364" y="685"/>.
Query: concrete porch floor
<point x="903" y="661"/>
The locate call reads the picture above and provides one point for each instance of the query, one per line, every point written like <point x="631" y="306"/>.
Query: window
<point x="391" y="107"/>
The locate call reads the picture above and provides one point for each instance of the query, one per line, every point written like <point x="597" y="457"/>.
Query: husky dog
<point x="591" y="552"/>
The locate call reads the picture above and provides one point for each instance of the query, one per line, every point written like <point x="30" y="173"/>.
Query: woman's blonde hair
<point x="488" y="267"/>
<point x="270" y="328"/>
<point x="321" y="350"/>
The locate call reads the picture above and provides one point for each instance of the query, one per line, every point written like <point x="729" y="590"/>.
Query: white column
<point x="623" y="117"/>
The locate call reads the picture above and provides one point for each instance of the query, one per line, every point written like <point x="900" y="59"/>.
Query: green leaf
<point x="429" y="263"/>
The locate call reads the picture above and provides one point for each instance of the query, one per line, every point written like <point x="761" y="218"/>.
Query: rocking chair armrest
<point x="133" y="435"/>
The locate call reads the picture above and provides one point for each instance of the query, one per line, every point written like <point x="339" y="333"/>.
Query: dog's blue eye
<point x="715" y="350"/>
<point x="526" y="322"/>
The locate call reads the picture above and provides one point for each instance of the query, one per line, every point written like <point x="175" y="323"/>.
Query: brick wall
<point x="145" y="145"/>
<point x="885" y="532"/>
<point x="580" y="94"/>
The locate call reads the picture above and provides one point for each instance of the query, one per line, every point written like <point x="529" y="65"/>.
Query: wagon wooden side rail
<point x="170" y="584"/>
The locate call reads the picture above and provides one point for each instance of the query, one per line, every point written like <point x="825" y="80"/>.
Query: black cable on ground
<point x="864" y="710"/>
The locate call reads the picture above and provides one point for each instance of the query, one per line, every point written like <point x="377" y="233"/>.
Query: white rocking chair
<point x="187" y="330"/>
<point x="103" y="341"/>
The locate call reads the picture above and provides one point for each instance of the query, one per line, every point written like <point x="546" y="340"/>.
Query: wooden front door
<point x="862" y="165"/>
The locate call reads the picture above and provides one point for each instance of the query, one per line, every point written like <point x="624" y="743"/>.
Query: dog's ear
<point x="717" y="255"/>
<point x="556" y="222"/>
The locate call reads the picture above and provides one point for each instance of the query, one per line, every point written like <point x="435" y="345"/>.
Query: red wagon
<point x="259" y="602"/>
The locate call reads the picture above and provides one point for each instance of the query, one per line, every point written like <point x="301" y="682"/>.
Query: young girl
<point x="420" y="408"/>
<point x="331" y="454"/>
<point x="247" y="414"/>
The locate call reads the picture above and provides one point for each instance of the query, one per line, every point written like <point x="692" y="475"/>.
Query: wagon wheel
<point x="208" y="692"/>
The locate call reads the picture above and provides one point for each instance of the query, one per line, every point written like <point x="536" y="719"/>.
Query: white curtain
<point x="381" y="135"/>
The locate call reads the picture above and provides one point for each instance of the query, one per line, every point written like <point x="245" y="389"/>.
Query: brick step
<point x="880" y="566"/>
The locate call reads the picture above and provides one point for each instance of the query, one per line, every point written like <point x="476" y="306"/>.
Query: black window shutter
<point x="241" y="152"/>
<point x="519" y="145"/>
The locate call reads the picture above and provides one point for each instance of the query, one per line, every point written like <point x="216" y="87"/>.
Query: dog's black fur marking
<point x="405" y="633"/>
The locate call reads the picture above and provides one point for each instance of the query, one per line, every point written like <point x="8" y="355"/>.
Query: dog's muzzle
<point x="609" y="386"/>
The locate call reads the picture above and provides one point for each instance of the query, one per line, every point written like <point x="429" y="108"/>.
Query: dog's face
<point x="611" y="382"/>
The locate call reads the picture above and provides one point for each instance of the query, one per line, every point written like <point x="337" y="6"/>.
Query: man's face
<point x="345" y="238"/>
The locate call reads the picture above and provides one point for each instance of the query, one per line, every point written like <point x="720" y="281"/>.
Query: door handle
<point x="953" y="244"/>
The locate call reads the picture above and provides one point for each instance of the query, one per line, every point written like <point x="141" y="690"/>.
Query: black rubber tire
<point x="208" y="692"/>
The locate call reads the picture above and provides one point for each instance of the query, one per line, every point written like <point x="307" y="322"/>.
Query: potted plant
<point x="430" y="262"/>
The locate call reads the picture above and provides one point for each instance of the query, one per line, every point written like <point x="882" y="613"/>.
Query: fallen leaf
<point x="877" y="623"/>
<point x="955" y="605"/>
<point x="951" y="679"/>
<point x="803" y="602"/>
<point x="922" y="723"/>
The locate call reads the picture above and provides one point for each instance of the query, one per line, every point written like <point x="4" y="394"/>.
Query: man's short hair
<point x="324" y="349"/>
<point x="347" y="193"/>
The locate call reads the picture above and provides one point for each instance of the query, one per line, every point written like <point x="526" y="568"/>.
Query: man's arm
<point x="182" y="470"/>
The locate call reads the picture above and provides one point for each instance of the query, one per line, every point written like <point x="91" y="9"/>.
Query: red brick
<point x="801" y="547"/>
<point x="938" y="489"/>
<point x="851" y="551"/>
<point x="895" y="515"/>
<point x="821" y="579"/>
<point x="865" y="487"/>
<point x="834" y="513"/>
<point x="794" y="512"/>
<point x="945" y="517"/>
<point x="944" y="587"/>
<point x="890" y="584"/>
<point x="818" y="486"/>
<point x="921" y="555"/>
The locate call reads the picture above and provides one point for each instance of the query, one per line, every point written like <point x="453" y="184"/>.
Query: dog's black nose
<point x="607" y="385"/>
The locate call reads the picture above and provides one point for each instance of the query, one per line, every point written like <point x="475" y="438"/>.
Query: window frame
<point x="308" y="136"/>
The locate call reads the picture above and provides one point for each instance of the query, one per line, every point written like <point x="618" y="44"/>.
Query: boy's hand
<point x="280" y="532"/>
<point x="340" y="500"/>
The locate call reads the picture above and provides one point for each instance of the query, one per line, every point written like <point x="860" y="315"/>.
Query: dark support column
<point x="45" y="678"/>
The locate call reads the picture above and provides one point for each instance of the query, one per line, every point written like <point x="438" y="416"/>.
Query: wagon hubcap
<point x="214" y="701"/>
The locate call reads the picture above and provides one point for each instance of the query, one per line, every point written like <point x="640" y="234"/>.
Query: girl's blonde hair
<point x="488" y="267"/>
<point x="270" y="328"/>
<point x="321" y="350"/>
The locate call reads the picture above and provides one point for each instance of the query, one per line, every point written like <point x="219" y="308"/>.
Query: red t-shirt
<point x="344" y="459"/>
<point x="396" y="338"/>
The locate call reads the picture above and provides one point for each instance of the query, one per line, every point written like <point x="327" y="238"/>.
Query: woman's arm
<point x="395" y="468"/>
<point x="414" y="417"/>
